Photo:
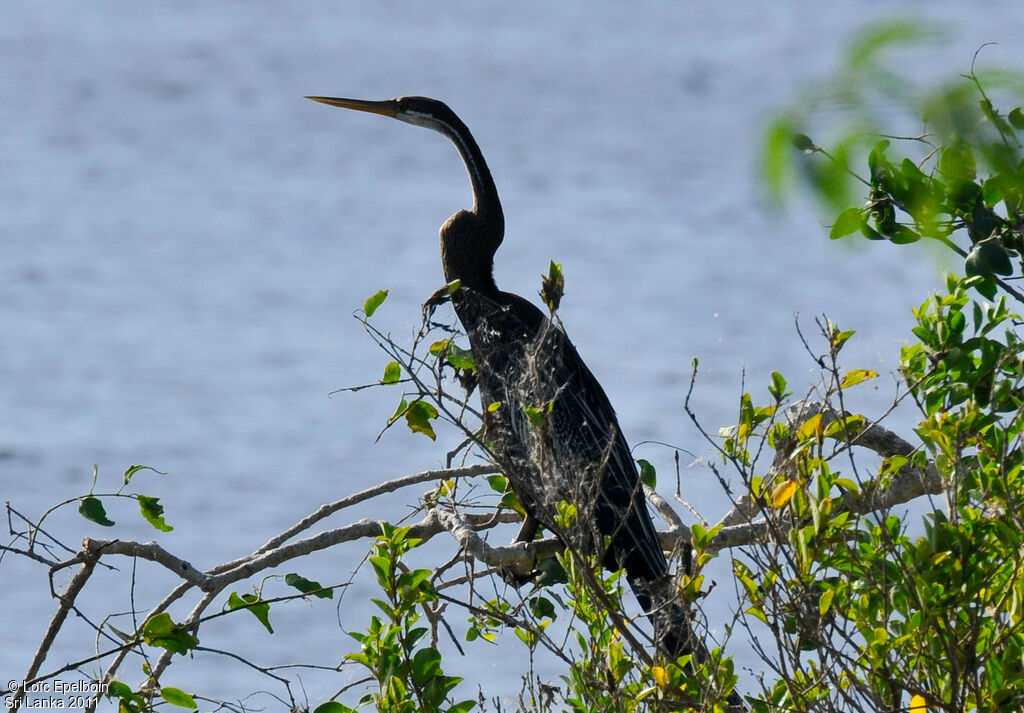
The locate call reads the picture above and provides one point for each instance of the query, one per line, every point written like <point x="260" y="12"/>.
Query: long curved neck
<point x="485" y="195"/>
<point x="469" y="239"/>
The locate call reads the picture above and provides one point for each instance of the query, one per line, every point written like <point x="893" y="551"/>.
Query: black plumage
<point x="573" y="449"/>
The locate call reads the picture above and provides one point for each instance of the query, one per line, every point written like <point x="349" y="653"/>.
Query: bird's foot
<point x="515" y="577"/>
<point x="437" y="299"/>
<point x="518" y="572"/>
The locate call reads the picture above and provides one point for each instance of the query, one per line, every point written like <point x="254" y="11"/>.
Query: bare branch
<point x="386" y="487"/>
<point x="148" y="551"/>
<point x="908" y="484"/>
<point x="67" y="600"/>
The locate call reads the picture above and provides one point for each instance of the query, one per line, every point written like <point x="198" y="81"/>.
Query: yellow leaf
<point x="917" y="704"/>
<point x="810" y="427"/>
<point x="856" y="376"/>
<point x="660" y="676"/>
<point x="782" y="493"/>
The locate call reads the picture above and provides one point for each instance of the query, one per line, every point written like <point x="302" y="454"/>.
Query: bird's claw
<point x="440" y="296"/>
<point x="515" y="577"/>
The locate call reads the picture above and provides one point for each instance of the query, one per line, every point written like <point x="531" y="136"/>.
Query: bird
<point x="547" y="421"/>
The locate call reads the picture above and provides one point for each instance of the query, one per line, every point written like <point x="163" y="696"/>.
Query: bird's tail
<point x="673" y="633"/>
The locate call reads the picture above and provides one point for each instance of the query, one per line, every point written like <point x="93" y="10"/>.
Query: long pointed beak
<point x="384" y="108"/>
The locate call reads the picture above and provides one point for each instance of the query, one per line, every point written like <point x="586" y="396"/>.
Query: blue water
<point x="185" y="239"/>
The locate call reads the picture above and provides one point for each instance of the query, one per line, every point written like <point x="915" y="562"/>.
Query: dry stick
<point x="431" y="525"/>
<point x="192" y="577"/>
<point x="905" y="487"/>
<point x="910" y="483"/>
<point x="369" y="493"/>
<point x="66" y="602"/>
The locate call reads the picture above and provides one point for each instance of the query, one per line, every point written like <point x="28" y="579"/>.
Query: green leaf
<point x="256" y="606"/>
<point x="412" y="580"/>
<point x="493" y="406"/>
<point x="542" y="608"/>
<point x="993" y="191"/>
<point x="553" y="286"/>
<point x="460" y="358"/>
<point x="847" y="485"/>
<point x="153" y="511"/>
<point x="454" y="354"/>
<point x="892" y="464"/>
<point x="92" y="509"/>
<point x="565" y="514"/>
<point x="776" y="159"/>
<point x="857" y="376"/>
<point x="426" y="664"/>
<point x="849" y="221"/>
<point x="453" y="286"/>
<point x="702" y="537"/>
<point x="868" y="44"/>
<point x="957" y="166"/>
<point x="119" y="689"/>
<point x="132" y="470"/>
<point x="403" y="405"/>
<point x="392" y="373"/>
<point x="177" y="697"/>
<point x="988" y="288"/>
<point x="162" y="632"/>
<point x="996" y="256"/>
<point x="648" y="476"/>
<point x="498" y="483"/>
<point x="902" y="235"/>
<point x="334" y="707"/>
<point x="870" y="233"/>
<point x="124" y="693"/>
<point x="810" y="427"/>
<point x="382" y="565"/>
<point x="802" y="142"/>
<point x="1016" y="118"/>
<point x="418" y="416"/>
<point x="840" y="338"/>
<point x="308" y="586"/>
<point x="778" y="387"/>
<point x="371" y="305"/>
<point x="536" y="414"/>
<point x="758" y="613"/>
<point x="877" y="161"/>
<point x="988" y="259"/>
<point x="462" y="707"/>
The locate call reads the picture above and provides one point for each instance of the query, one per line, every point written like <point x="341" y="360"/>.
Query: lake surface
<point x="184" y="240"/>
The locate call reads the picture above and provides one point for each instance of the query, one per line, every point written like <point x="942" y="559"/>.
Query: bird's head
<point x="470" y="238"/>
<point x="420" y="111"/>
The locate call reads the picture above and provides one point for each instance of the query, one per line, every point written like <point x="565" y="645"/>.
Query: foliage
<point x="407" y="673"/>
<point x="865" y="615"/>
<point x="879" y="609"/>
<point x="961" y="182"/>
